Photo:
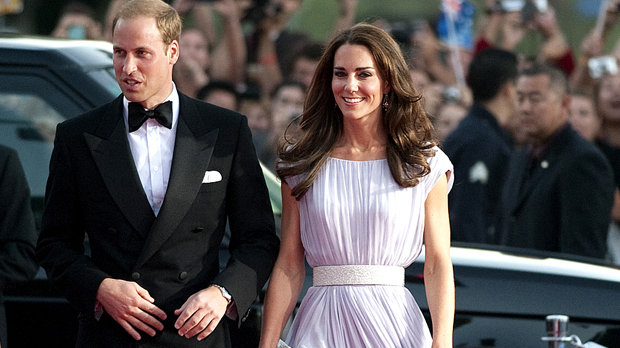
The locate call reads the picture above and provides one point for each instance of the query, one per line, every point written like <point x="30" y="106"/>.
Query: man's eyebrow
<point x="140" y="48"/>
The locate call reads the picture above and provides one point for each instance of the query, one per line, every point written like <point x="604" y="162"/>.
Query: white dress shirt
<point x="152" y="146"/>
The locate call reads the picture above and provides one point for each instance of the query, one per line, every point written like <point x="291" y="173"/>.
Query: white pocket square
<point x="211" y="176"/>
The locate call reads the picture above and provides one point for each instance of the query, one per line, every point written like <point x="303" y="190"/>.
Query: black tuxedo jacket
<point x="565" y="203"/>
<point x="94" y="188"/>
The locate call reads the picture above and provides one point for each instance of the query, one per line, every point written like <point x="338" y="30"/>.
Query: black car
<point x="43" y="82"/>
<point x="502" y="296"/>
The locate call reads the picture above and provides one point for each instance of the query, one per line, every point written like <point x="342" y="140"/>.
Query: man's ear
<point x="173" y="52"/>
<point x="508" y="88"/>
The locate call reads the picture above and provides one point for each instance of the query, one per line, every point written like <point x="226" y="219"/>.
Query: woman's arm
<point x="438" y="272"/>
<point x="288" y="274"/>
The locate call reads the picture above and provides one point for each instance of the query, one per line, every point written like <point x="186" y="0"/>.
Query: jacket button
<point x="183" y="275"/>
<point x="111" y="231"/>
<point x="135" y="276"/>
<point x="198" y="229"/>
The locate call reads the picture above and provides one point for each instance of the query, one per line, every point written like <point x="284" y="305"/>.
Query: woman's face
<point x="448" y="118"/>
<point x="194" y="45"/>
<point x="609" y="98"/>
<point x="287" y="104"/>
<point x="582" y="116"/>
<point x="356" y="83"/>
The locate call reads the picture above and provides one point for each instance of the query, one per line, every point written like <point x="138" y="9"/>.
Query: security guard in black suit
<point x="480" y="147"/>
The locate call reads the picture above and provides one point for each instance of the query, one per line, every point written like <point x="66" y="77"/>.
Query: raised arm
<point x="230" y="53"/>
<point x="593" y="45"/>
<point x="346" y="19"/>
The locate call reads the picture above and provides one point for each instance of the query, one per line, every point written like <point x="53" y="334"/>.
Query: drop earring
<point x="385" y="103"/>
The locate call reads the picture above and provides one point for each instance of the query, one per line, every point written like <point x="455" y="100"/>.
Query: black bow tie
<point x="137" y="115"/>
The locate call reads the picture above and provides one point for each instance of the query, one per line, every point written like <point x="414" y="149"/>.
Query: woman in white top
<point x="364" y="187"/>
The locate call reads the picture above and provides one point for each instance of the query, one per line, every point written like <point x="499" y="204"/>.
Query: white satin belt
<point x="358" y="275"/>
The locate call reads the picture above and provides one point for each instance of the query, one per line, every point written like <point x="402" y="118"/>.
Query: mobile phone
<point x="541" y="5"/>
<point x="602" y="65"/>
<point x="450" y="94"/>
<point x="531" y="8"/>
<point x="76" y="32"/>
<point x="512" y="5"/>
<point x="517" y="5"/>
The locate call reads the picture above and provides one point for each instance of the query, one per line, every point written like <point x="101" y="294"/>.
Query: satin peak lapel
<point x="190" y="161"/>
<point x="115" y="163"/>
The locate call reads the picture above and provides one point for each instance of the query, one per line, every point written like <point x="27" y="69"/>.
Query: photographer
<point x="272" y="47"/>
<point x="607" y="98"/>
<point x="507" y="25"/>
<point x="593" y="45"/>
<point x="271" y="39"/>
<point x="78" y="22"/>
<point x="205" y="57"/>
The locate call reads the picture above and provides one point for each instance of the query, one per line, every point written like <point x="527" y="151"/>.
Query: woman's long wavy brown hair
<point x="409" y="131"/>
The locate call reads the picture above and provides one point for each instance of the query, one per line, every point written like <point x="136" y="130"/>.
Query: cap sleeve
<point x="440" y="165"/>
<point x="293" y="181"/>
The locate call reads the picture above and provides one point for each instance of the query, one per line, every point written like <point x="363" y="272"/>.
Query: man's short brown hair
<point x="167" y="19"/>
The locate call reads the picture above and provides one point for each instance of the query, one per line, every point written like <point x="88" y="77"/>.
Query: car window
<point x="28" y="126"/>
<point x="30" y="109"/>
<point x="106" y="78"/>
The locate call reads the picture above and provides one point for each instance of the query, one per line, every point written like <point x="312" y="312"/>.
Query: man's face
<point x="541" y="109"/>
<point x="303" y="70"/>
<point x="142" y="64"/>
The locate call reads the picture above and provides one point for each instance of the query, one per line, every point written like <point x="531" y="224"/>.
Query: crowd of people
<point x="259" y="67"/>
<point x="536" y="158"/>
<point x="528" y="149"/>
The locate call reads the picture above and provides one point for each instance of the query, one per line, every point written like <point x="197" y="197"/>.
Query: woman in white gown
<point x="364" y="187"/>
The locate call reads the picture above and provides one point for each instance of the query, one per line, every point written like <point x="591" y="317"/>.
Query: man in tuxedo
<point x="152" y="179"/>
<point x="559" y="190"/>
<point x="18" y="233"/>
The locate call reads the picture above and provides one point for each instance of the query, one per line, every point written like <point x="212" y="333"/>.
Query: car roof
<point x="32" y="50"/>
<point x="497" y="259"/>
<point x="497" y="283"/>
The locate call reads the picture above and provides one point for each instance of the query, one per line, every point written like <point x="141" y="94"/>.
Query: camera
<point x="76" y="32"/>
<point x="518" y="5"/>
<point x="402" y="31"/>
<point x="261" y="9"/>
<point x="450" y="94"/>
<point x="602" y="65"/>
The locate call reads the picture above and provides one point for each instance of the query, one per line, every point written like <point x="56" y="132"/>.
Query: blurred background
<point x="317" y="17"/>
